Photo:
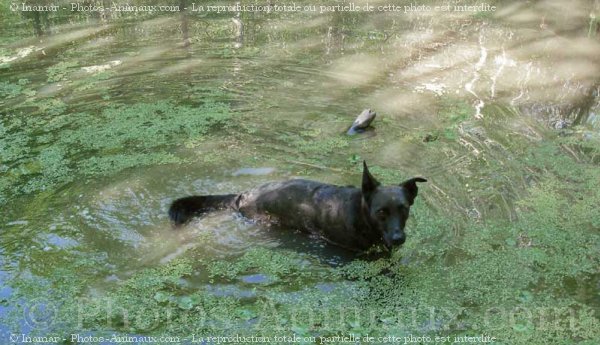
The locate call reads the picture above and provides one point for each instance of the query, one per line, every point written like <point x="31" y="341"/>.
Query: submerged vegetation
<point x="523" y="280"/>
<point x="45" y="152"/>
<point x="503" y="240"/>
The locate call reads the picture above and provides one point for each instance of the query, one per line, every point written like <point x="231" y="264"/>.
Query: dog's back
<point x="302" y="204"/>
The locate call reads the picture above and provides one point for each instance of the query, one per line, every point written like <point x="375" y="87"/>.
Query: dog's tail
<point x="184" y="209"/>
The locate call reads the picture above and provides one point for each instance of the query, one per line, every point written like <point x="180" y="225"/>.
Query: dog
<point x="349" y="217"/>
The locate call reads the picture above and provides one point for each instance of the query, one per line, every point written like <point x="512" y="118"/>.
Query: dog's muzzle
<point x="395" y="240"/>
<point x="398" y="239"/>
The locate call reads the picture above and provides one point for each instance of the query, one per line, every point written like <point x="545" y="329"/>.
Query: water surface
<point x="106" y="120"/>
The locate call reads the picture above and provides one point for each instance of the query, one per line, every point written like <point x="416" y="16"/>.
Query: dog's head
<point x="387" y="207"/>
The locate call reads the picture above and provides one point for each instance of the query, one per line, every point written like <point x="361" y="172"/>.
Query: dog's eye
<point x="381" y="213"/>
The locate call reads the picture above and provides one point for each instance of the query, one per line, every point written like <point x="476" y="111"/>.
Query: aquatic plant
<point x="11" y="90"/>
<point x="59" y="71"/>
<point x="86" y="144"/>
<point x="503" y="240"/>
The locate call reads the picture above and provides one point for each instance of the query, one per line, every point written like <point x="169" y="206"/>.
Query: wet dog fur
<point x="350" y="217"/>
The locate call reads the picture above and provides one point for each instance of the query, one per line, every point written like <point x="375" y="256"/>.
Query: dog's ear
<point x="410" y="186"/>
<point x="369" y="183"/>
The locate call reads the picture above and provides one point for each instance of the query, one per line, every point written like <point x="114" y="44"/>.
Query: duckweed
<point x="86" y="144"/>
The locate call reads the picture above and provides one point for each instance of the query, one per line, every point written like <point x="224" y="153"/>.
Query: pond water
<point x="105" y="119"/>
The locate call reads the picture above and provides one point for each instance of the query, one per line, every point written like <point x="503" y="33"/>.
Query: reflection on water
<point x="253" y="171"/>
<point x="453" y="94"/>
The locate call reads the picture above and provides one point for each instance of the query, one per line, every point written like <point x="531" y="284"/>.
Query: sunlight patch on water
<point x="102" y="68"/>
<point x="476" y="75"/>
<point x="437" y="88"/>
<point x="356" y="70"/>
<point x="253" y="171"/>
<point x="181" y="66"/>
<point x="21" y="53"/>
<point x="400" y="105"/>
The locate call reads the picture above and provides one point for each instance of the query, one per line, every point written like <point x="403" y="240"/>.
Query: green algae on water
<point x="59" y="147"/>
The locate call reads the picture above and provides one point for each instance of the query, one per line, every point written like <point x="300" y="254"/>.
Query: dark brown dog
<point x="349" y="217"/>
